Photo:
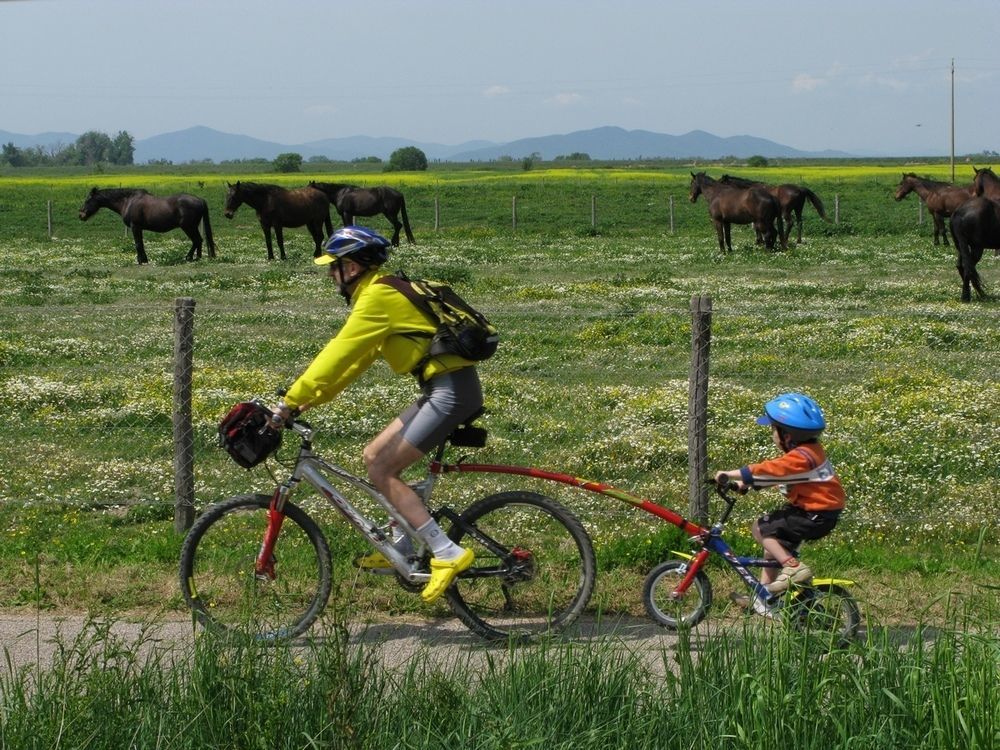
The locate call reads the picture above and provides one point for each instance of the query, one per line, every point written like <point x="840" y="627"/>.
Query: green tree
<point x="93" y="148"/>
<point x="122" y="148"/>
<point x="756" y="161"/>
<point x="290" y="162"/>
<point x="407" y="159"/>
<point x="13" y="155"/>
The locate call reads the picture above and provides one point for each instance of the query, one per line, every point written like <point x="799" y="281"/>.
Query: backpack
<point x="247" y="435"/>
<point x="462" y="329"/>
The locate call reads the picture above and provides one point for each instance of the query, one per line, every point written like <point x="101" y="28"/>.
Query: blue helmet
<point x="794" y="413"/>
<point x="360" y="244"/>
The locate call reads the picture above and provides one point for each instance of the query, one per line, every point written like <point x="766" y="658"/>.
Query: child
<point x="806" y="478"/>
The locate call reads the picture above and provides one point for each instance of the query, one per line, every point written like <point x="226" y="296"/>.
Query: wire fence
<point x="125" y="423"/>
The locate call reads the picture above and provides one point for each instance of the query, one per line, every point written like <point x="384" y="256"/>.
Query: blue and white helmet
<point x="360" y="244"/>
<point x="794" y="413"/>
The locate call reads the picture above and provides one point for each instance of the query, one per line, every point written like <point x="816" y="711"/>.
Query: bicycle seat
<point x="468" y="436"/>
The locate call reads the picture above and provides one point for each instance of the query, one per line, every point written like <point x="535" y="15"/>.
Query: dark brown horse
<point x="729" y="205"/>
<point x="140" y="210"/>
<point x="278" y="207"/>
<point x="941" y="199"/>
<point x="986" y="183"/>
<point x="792" y="199"/>
<point x="352" y="201"/>
<point x="975" y="225"/>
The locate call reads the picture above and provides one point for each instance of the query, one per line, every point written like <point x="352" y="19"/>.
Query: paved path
<point x="31" y="640"/>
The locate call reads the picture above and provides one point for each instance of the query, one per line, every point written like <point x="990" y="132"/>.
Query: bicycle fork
<point x="264" y="564"/>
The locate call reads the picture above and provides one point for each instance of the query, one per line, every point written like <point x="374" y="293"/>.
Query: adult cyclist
<point x="384" y="324"/>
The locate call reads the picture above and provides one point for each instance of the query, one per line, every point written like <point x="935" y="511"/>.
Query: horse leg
<point x="727" y="234"/>
<point x="396" y="226"/>
<point x="316" y="230"/>
<point x="279" y="235"/>
<point x="406" y="220"/>
<point x="140" y="247"/>
<point x="196" y="242"/>
<point x="267" y="239"/>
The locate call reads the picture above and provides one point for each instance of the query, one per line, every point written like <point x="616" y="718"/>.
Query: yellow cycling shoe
<point x="443" y="574"/>
<point x="374" y="561"/>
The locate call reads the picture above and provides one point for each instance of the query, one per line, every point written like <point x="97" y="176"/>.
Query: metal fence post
<point x="182" y="423"/>
<point x="701" y="337"/>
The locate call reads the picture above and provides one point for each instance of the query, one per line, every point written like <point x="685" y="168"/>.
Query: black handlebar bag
<point x="246" y="434"/>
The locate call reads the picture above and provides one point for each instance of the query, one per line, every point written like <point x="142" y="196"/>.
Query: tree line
<point x="91" y="148"/>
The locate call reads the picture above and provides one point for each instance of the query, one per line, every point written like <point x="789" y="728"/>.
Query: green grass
<point x="591" y="378"/>
<point x="747" y="688"/>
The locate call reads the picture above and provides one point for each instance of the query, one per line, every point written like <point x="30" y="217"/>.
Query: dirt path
<point x="33" y="640"/>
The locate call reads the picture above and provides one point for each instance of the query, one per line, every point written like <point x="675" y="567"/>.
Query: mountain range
<point x="605" y="143"/>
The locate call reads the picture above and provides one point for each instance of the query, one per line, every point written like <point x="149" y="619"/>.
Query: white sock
<point x="441" y="546"/>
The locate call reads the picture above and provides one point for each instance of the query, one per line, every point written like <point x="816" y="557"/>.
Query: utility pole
<point x="953" y="119"/>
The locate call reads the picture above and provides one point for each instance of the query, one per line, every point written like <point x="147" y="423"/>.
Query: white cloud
<point x="496" y="91"/>
<point x="803" y="83"/>
<point x="566" y="99"/>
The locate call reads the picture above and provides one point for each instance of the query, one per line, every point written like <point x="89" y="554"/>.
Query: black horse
<point x="975" y="225"/>
<point x="729" y="205"/>
<point x="278" y="207"/>
<point x="792" y="199"/>
<point x="141" y="210"/>
<point x="351" y="201"/>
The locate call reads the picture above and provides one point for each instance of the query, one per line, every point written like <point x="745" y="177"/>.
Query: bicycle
<point x="261" y="563"/>
<point x="677" y="594"/>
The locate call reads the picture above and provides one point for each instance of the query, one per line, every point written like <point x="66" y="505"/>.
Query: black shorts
<point x="446" y="402"/>
<point x="791" y="525"/>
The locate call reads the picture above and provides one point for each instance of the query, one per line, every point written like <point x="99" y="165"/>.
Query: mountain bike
<point x="678" y="593"/>
<point x="261" y="564"/>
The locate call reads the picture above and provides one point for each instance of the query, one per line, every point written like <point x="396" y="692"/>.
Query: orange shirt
<point x="804" y="475"/>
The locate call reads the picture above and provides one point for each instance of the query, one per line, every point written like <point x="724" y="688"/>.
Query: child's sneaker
<point x="790" y="574"/>
<point x="759" y="607"/>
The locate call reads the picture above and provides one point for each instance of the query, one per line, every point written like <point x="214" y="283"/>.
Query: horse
<point x="792" y="199"/>
<point x="975" y="225"/>
<point x="278" y="207"/>
<point x="729" y="205"/>
<point x="141" y="210"/>
<point x="986" y="183"/>
<point x="941" y="199"/>
<point x="351" y="201"/>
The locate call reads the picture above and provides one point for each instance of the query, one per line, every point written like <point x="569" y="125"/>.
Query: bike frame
<point x="710" y="539"/>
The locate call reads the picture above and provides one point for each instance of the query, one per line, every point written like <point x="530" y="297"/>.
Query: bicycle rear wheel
<point x="534" y="570"/>
<point x="682" y="613"/>
<point x="217" y="570"/>
<point x="826" y="609"/>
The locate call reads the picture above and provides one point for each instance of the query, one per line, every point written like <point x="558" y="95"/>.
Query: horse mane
<point x="120" y="192"/>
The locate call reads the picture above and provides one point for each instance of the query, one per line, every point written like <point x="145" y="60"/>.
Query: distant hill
<point x="606" y="143"/>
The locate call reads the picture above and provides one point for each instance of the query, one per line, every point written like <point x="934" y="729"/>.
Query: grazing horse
<point x="278" y="207"/>
<point x="792" y="199"/>
<point x="141" y="210"/>
<point x="351" y="201"/>
<point x="975" y="225"/>
<point x="729" y="205"/>
<point x="941" y="199"/>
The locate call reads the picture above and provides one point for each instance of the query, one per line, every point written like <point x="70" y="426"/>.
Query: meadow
<point x="591" y="378"/>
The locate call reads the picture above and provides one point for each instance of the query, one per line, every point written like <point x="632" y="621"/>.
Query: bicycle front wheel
<point x="218" y="578"/>
<point x="534" y="570"/>
<point x="825" y="609"/>
<point x="680" y="613"/>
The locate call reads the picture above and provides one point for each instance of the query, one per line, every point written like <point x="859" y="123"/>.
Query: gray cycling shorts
<point x="446" y="402"/>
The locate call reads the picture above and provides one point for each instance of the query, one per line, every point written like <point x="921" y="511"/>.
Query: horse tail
<point x="405" y="218"/>
<point x="208" y="232"/>
<point x="817" y="203"/>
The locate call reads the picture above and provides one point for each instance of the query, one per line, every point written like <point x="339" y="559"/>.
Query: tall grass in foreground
<point x="741" y="689"/>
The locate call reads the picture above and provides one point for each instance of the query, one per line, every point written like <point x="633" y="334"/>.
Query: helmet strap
<point x="345" y="286"/>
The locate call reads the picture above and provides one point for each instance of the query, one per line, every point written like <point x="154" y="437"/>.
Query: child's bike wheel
<point x="825" y="609"/>
<point x="676" y="614"/>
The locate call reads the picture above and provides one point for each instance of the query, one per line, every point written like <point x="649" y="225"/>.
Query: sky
<point x="864" y="77"/>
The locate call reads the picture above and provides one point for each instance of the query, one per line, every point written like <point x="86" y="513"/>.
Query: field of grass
<point x="591" y="378"/>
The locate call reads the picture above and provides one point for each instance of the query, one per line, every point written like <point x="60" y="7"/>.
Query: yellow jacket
<point x="378" y="324"/>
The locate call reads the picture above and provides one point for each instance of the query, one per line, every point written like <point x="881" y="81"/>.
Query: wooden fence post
<point x="593" y="212"/>
<point x="671" y="214"/>
<point x="437" y="214"/>
<point x="48" y="211"/>
<point x="836" y="208"/>
<point x="182" y="423"/>
<point x="513" y="212"/>
<point x="701" y="337"/>
<point x="920" y="213"/>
